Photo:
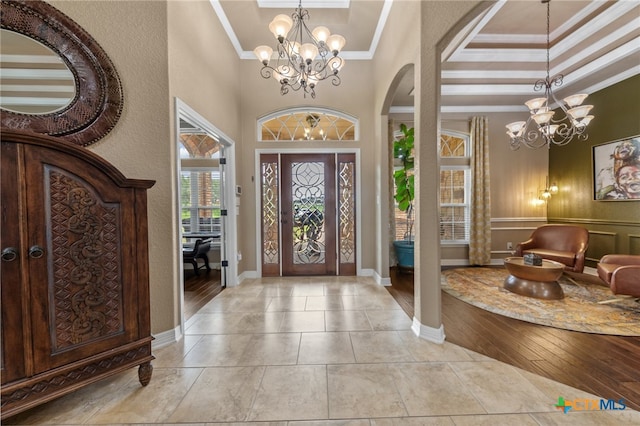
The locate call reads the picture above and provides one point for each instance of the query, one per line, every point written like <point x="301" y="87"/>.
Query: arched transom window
<point x="317" y="124"/>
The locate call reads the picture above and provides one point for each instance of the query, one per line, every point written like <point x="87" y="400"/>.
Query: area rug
<point x="578" y="311"/>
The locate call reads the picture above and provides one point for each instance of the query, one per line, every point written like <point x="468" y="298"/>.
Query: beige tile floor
<point x="318" y="351"/>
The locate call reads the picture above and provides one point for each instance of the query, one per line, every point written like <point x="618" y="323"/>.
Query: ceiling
<point x="492" y="64"/>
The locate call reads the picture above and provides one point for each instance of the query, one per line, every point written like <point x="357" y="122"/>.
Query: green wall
<point x="614" y="226"/>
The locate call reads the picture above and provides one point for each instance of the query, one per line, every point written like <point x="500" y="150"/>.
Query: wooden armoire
<point x="74" y="270"/>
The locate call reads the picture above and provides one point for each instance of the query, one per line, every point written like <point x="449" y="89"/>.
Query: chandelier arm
<point x="266" y="71"/>
<point x="535" y="140"/>
<point x="557" y="80"/>
<point x="542" y="84"/>
<point x="297" y="67"/>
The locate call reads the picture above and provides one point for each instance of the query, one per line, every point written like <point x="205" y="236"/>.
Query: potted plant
<point x="403" y="175"/>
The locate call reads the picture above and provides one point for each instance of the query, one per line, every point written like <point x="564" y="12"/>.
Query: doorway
<point x="308" y="214"/>
<point x="206" y="204"/>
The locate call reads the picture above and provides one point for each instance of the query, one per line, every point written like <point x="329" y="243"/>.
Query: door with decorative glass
<point x="308" y="214"/>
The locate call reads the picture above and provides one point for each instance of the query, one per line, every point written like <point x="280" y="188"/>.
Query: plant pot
<point x="404" y="253"/>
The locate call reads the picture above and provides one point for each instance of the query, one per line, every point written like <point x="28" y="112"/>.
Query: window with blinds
<point x="455" y="187"/>
<point x="200" y="201"/>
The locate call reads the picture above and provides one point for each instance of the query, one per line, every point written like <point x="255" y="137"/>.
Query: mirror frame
<point x="98" y="101"/>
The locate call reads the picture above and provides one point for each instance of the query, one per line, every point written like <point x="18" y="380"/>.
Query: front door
<point x="308" y="214"/>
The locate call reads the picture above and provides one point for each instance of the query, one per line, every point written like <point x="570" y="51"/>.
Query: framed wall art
<point x="616" y="170"/>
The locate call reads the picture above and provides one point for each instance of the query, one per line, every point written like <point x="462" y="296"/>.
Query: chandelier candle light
<point x="305" y="58"/>
<point x="548" y="130"/>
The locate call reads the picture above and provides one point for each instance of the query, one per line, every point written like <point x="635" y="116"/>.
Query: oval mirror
<point x="96" y="102"/>
<point x="33" y="78"/>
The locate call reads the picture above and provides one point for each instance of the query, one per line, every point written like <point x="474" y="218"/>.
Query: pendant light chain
<point x="548" y="32"/>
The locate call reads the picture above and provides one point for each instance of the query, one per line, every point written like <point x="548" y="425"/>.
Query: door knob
<point x="9" y="254"/>
<point x="36" y="252"/>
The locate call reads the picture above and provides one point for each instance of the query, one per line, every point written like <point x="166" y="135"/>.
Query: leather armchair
<point x="566" y="244"/>
<point x="621" y="272"/>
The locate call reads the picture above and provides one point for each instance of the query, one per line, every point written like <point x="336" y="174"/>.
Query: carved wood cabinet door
<point x="84" y="270"/>
<point x="74" y="271"/>
<point x="13" y="360"/>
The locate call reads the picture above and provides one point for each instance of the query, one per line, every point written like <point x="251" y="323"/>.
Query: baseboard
<point x="435" y="335"/>
<point x="166" y="338"/>
<point x="376" y="277"/>
<point x="247" y="275"/>
<point x="454" y="262"/>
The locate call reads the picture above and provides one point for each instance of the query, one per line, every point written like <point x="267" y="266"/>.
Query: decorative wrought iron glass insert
<point x="308" y="212"/>
<point x="270" y="217"/>
<point x="307" y="124"/>
<point x="347" y="211"/>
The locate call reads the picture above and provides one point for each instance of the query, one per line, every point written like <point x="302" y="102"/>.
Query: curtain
<point x="480" y="226"/>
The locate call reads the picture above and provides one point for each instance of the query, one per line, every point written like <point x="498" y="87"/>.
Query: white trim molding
<point x="165" y="338"/>
<point x="435" y="335"/>
<point x="376" y="276"/>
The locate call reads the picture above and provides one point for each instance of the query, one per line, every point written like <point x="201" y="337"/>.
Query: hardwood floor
<point x="608" y="366"/>
<point x="199" y="290"/>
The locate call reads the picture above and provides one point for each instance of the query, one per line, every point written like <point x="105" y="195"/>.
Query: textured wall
<point x="614" y="225"/>
<point x="157" y="60"/>
<point x="134" y="35"/>
<point x="262" y="96"/>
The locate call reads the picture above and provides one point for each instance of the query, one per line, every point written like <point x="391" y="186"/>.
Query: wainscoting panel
<point x="607" y="237"/>
<point x="604" y="238"/>
<point x="505" y="230"/>
<point x="600" y="243"/>
<point x="634" y="244"/>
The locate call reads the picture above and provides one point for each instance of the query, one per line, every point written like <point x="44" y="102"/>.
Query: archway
<point x="440" y="26"/>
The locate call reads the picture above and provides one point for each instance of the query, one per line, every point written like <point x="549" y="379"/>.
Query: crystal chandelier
<point x="549" y="130"/>
<point x="305" y="58"/>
